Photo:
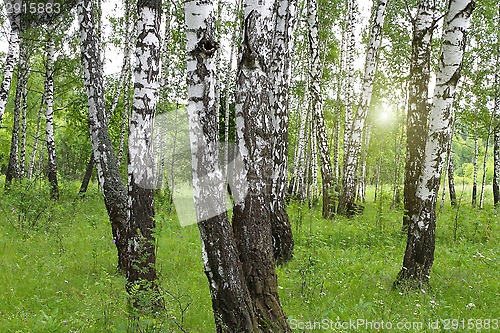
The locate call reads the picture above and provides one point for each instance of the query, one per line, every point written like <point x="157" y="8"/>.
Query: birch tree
<point x="231" y="300"/>
<point x="254" y="137"/>
<point x="496" y="131"/>
<point x="423" y="27"/>
<point x="355" y="136"/>
<point x="22" y="77"/>
<point x="279" y="98"/>
<point x="316" y="101"/>
<point x="12" y="53"/>
<point x="49" y="119"/>
<point x="113" y="188"/>
<point x="141" y="269"/>
<point x="419" y="254"/>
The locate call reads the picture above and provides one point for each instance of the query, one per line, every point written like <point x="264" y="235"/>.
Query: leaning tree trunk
<point x="113" y="188"/>
<point x="12" y="54"/>
<point x="318" y="122"/>
<point x="423" y="26"/>
<point x="49" y="118"/>
<point x="279" y="99"/>
<point x="419" y="255"/>
<point x="13" y="166"/>
<point x="141" y="269"/>
<point x="231" y="302"/>
<point x="355" y="136"/>
<point x="254" y="137"/>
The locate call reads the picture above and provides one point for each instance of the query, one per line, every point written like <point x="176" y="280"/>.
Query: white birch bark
<point x="350" y="45"/>
<point x="141" y="270"/>
<point x="36" y="138"/>
<point x="419" y="254"/>
<point x="49" y="120"/>
<point x="280" y="74"/>
<point x="230" y="296"/>
<point x="113" y="189"/>
<point x="254" y="136"/>
<point x="319" y="135"/>
<point x="355" y="133"/>
<point x="418" y="92"/>
<point x="12" y="54"/>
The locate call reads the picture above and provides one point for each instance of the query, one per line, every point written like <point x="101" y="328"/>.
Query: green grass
<point x="57" y="270"/>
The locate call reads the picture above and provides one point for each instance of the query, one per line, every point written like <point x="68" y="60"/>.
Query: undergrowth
<point x="58" y="270"/>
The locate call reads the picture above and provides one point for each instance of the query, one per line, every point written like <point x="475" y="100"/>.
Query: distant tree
<point x="12" y="53"/>
<point x="496" y="130"/>
<point x="354" y="143"/>
<point x="49" y="118"/>
<point x="22" y="79"/>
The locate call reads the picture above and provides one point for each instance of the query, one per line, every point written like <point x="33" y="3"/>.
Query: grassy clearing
<point x="57" y="270"/>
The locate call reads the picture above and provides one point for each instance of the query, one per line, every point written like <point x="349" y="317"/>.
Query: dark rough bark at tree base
<point x="419" y="257"/>
<point x="283" y="243"/>
<point x="257" y="258"/>
<point x="231" y="300"/>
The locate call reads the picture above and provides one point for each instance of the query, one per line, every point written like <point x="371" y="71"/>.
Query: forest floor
<point x="58" y="260"/>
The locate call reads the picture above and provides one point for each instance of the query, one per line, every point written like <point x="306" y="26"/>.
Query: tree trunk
<point x="451" y="178"/>
<point x="231" y="302"/>
<point x="49" y="117"/>
<point x="254" y="137"/>
<point x="474" y="163"/>
<point x="114" y="190"/>
<point x="12" y="54"/>
<point x="22" y="143"/>
<point x="141" y="269"/>
<point x="485" y="160"/>
<point x="355" y="133"/>
<point x="418" y="94"/>
<point x="419" y="255"/>
<point x="279" y="74"/>
<point x="352" y="11"/>
<point x="318" y="123"/>
<point x="13" y="166"/>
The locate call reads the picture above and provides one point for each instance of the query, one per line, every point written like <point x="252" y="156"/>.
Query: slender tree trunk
<point x="49" y="118"/>
<point x="12" y="54"/>
<point x="355" y="133"/>
<point x="362" y="172"/>
<point x="13" y="166"/>
<point x="318" y="123"/>
<point x="419" y="254"/>
<point x="352" y="9"/>
<point x="231" y="302"/>
<point x="451" y="179"/>
<point x="485" y="160"/>
<point x="254" y="136"/>
<point x="114" y="190"/>
<point x="279" y="74"/>
<point x="475" y="165"/>
<point x="141" y="269"/>
<point x="22" y="143"/>
<point x="423" y="26"/>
